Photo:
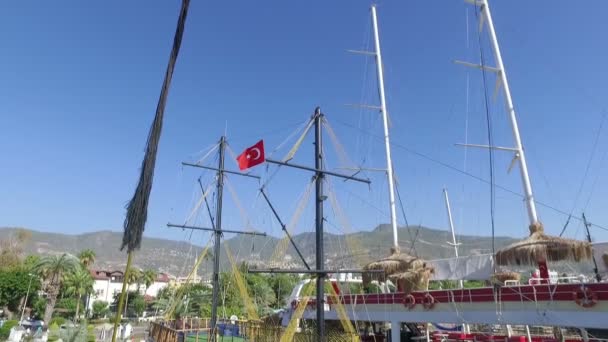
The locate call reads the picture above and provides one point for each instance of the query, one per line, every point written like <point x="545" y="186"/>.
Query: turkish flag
<point x="252" y="156"/>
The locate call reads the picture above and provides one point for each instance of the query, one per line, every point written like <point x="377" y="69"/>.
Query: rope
<point x="468" y="174"/>
<point x="137" y="209"/>
<point x="297" y="314"/>
<point x="198" y="205"/>
<point x="281" y="247"/>
<point x="180" y="292"/>
<point x="240" y="283"/>
<point x="211" y="150"/>
<point x="339" y="148"/>
<point x="489" y="133"/>
<point x="298" y="143"/>
<point x="407" y="225"/>
<point x="342" y="314"/>
<point x="352" y="243"/>
<point x="237" y="202"/>
<point x="580" y="189"/>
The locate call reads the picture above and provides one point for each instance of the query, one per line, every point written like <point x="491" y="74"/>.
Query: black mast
<point x="598" y="277"/>
<point x="216" y="226"/>
<point x="320" y="256"/>
<point x="319" y="176"/>
<point x="218" y="234"/>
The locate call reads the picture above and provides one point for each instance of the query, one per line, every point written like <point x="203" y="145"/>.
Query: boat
<point x="545" y="301"/>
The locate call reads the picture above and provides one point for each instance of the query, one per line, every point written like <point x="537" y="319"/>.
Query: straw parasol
<point x="540" y="247"/>
<point x="416" y="280"/>
<point x="396" y="262"/>
<point x="501" y="277"/>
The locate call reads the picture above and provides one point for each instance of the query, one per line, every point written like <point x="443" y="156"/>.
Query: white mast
<point x="484" y="10"/>
<point x="451" y="223"/>
<point x="387" y="143"/>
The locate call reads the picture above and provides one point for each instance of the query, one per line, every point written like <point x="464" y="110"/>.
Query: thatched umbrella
<point x="539" y="247"/>
<point x="415" y="280"/>
<point x="501" y="277"/>
<point x="395" y="263"/>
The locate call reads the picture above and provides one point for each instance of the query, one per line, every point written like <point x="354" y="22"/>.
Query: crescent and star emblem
<point x="257" y="150"/>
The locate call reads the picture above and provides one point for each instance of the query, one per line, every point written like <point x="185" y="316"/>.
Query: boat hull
<point x="542" y="305"/>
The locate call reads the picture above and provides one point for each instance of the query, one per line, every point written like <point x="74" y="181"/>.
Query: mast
<point x="502" y="78"/>
<point x="451" y="223"/>
<point x="387" y="143"/>
<point x="319" y="176"/>
<point x="218" y="233"/>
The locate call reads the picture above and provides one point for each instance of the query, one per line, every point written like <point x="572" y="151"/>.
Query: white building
<point x="108" y="283"/>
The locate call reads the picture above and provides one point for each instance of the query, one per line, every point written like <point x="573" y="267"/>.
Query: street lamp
<point x="26" y="296"/>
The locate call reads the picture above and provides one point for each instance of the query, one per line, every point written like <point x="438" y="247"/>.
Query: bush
<point x="58" y="321"/>
<point x="100" y="308"/>
<point x="5" y="331"/>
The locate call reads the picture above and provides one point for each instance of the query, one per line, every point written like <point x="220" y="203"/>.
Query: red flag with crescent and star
<point x="252" y="156"/>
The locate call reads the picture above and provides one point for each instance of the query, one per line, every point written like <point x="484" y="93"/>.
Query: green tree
<point x="148" y="278"/>
<point x="133" y="276"/>
<point x="100" y="308"/>
<point x="38" y="306"/>
<point x="53" y="269"/>
<point x="87" y="257"/>
<point x="282" y="285"/>
<point x="30" y="261"/>
<point x="65" y="307"/>
<point x="5" y="330"/>
<point x="138" y="305"/>
<point x="78" y="283"/>
<point x="13" y="288"/>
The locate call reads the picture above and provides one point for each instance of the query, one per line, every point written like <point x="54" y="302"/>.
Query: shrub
<point x="5" y="331"/>
<point x="57" y="320"/>
<point x="100" y="308"/>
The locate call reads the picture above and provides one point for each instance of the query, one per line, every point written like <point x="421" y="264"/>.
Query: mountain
<point x="175" y="257"/>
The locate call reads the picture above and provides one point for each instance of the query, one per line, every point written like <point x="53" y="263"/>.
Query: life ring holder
<point x="409" y="301"/>
<point x="585" y="297"/>
<point x="428" y="301"/>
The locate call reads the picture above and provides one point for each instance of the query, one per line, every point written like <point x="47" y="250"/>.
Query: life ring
<point x="428" y="301"/>
<point x="585" y="297"/>
<point x="409" y="301"/>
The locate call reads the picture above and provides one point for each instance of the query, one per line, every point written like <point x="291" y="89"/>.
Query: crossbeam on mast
<point x="478" y="66"/>
<point x="361" y="52"/>
<point x="498" y="148"/>
<point x="225" y="171"/>
<point x="321" y="171"/>
<point x="221" y="231"/>
<point x="363" y="105"/>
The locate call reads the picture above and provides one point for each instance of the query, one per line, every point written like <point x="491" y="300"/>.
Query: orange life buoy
<point x="409" y="301"/>
<point x="428" y="301"/>
<point x="585" y="297"/>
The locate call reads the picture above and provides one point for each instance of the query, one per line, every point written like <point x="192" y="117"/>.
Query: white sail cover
<point x="599" y="249"/>
<point x="473" y="267"/>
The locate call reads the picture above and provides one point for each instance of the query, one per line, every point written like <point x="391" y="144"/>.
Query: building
<point x="109" y="283"/>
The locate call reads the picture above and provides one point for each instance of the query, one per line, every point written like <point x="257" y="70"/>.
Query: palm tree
<point x="148" y="277"/>
<point x="78" y="283"/>
<point x="133" y="276"/>
<point x="87" y="257"/>
<point x="53" y="269"/>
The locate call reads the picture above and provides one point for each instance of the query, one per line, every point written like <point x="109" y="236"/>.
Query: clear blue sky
<point x="80" y="81"/>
